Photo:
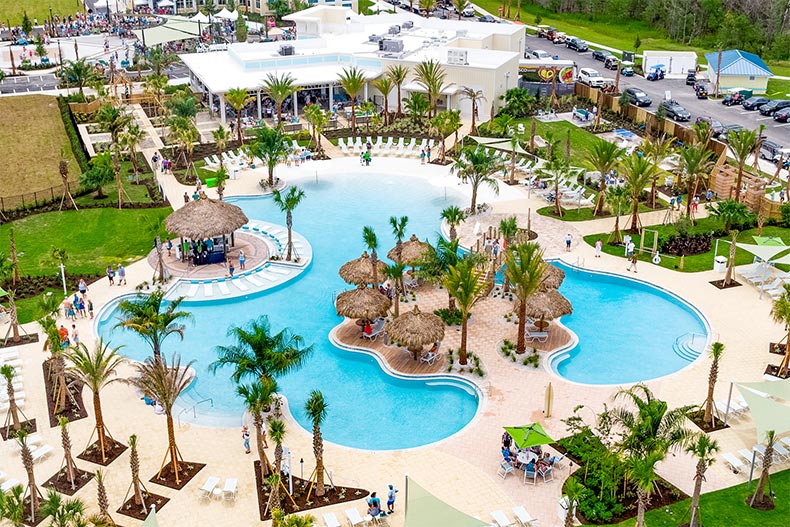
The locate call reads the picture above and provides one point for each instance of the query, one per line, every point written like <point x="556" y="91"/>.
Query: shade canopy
<point x="553" y="277"/>
<point x="412" y="251"/>
<point x="499" y="143"/>
<point x="227" y="15"/>
<point x="205" y="218"/>
<point x="768" y="240"/>
<point x="767" y="413"/>
<point x="548" y="305"/>
<point x="200" y="17"/>
<point x="150" y="520"/>
<point x="423" y="509"/>
<point x="174" y="29"/>
<point x="416" y="328"/>
<point x="529" y="435"/>
<point x="764" y="252"/>
<point x="363" y="302"/>
<point x="360" y="271"/>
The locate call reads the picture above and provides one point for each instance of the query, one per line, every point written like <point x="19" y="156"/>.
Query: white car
<point x="539" y="54"/>
<point x="468" y="11"/>
<point x="591" y="77"/>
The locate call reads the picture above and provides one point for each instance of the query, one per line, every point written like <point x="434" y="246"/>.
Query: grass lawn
<point x="726" y="508"/>
<point x="586" y="213"/>
<point x="28" y="310"/>
<point x="94" y="238"/>
<point x="581" y="140"/>
<point x="778" y="88"/>
<point x="134" y="193"/>
<point x="698" y="262"/>
<point x="32" y="142"/>
<point x="39" y="9"/>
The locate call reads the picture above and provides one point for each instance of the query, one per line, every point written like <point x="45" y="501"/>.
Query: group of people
<point x="537" y="461"/>
<point x="68" y="338"/>
<point x="121" y="273"/>
<point x="374" y="503"/>
<point x="245" y="438"/>
<point x="425" y="153"/>
<point x="299" y="156"/>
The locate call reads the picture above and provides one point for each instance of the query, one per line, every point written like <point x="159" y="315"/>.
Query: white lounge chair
<point x="523" y="517"/>
<point x="540" y="336"/>
<point x="208" y="487"/>
<point x="208" y="289"/>
<point x="342" y="145"/>
<point x="223" y="287"/>
<point x="354" y="517"/>
<point x="331" y="520"/>
<point x="387" y="146"/>
<point x="429" y="359"/>
<point x="9" y="484"/>
<point x="399" y="147"/>
<point x="734" y="462"/>
<point x="254" y="281"/>
<point x="785" y="441"/>
<point x="229" y="491"/>
<point x="375" y="331"/>
<point x="41" y="452"/>
<point x="748" y="455"/>
<point x="500" y="519"/>
<point x="236" y="280"/>
<point x="193" y="289"/>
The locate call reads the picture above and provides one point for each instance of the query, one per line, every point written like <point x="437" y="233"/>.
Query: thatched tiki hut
<point x="411" y="251"/>
<point x="206" y="219"/>
<point x="547" y="305"/>
<point x="363" y="303"/>
<point x="360" y="271"/>
<point x="415" y="329"/>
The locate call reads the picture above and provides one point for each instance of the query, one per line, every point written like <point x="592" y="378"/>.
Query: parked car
<point x="487" y="18"/>
<point x="732" y="99"/>
<point x="754" y="103"/>
<point x="771" y="106"/>
<point x="715" y="126"/>
<point x="468" y="11"/>
<point x="590" y="77"/>
<point x="576" y="44"/>
<point x="782" y="115"/>
<point x="627" y="69"/>
<point x="674" y="110"/>
<point x="691" y="78"/>
<point x="538" y="54"/>
<point x="611" y="63"/>
<point x="544" y="30"/>
<point x="770" y="150"/>
<point x="729" y="129"/>
<point x="637" y="97"/>
<point x="601" y="54"/>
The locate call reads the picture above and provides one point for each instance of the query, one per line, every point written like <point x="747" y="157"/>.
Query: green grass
<point x="586" y="213"/>
<point x="581" y="140"/>
<point x="93" y="238"/>
<point x="39" y="9"/>
<point x="28" y="310"/>
<point x="134" y="193"/>
<point x="778" y="88"/>
<point x="698" y="262"/>
<point x="726" y="508"/>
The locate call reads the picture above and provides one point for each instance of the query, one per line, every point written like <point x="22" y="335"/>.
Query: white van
<point x="591" y="77"/>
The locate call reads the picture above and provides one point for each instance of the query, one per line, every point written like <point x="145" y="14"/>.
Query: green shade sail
<point x="423" y="509"/>
<point x="529" y="435"/>
<point x="3" y="292"/>
<point x="768" y="240"/>
<point x="150" y="520"/>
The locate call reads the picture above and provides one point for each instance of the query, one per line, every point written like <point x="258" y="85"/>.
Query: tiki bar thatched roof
<point x="412" y="251"/>
<point x="205" y="218"/>
<point x="415" y="328"/>
<point x="360" y="271"/>
<point x="363" y="302"/>
<point x="553" y="277"/>
<point x="548" y="305"/>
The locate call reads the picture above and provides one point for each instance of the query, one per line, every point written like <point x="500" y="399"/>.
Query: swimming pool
<point x="628" y="331"/>
<point x="368" y="408"/>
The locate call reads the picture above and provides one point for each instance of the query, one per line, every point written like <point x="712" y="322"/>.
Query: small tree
<point x="27" y="24"/>
<point x="271" y="147"/>
<point x="573" y="491"/>
<point x="316" y="409"/>
<point x="704" y="449"/>
<point x="454" y="216"/>
<point x="258" y="396"/>
<point x="637" y="43"/>
<point x="68" y="459"/>
<point x="716" y="351"/>
<point x="759" y="497"/>
<point x="238" y="98"/>
<point x="8" y="372"/>
<point x="524" y="268"/>
<point x="462" y="283"/>
<point x="12" y="505"/>
<point x="780" y="313"/>
<point x="372" y="244"/>
<point x="31" y="491"/>
<point x="100" y="174"/>
<point x="398" y="74"/>
<point x="352" y="79"/>
<point x="102" y="500"/>
<point x="136" y="486"/>
<point x="287" y="203"/>
<point x="477" y="167"/>
<point x="241" y="30"/>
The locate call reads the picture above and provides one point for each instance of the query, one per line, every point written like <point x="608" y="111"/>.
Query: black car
<point x="729" y="129"/>
<point x="782" y="115"/>
<point x="715" y="126"/>
<point x="754" y="103"/>
<point x="601" y="54"/>
<point x="637" y="97"/>
<point x="732" y="99"/>
<point x="487" y="18"/>
<point x="771" y="106"/>
<point x="675" y="111"/>
<point x="577" y="44"/>
<point x="691" y="78"/>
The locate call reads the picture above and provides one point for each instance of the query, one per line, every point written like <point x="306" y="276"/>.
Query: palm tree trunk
<point x="289" y="224"/>
<point x="688" y="199"/>
<point x="374" y="260"/>
<point x="238" y="127"/>
<point x="635" y="216"/>
<point x="731" y="266"/>
<point x="521" y="342"/>
<point x="474" y="198"/>
<point x="557" y="204"/>
<point x="473" y="129"/>
<point x="640" y="514"/>
<point x="783" y="367"/>
<point x="257" y="424"/>
<point x="27" y="462"/>
<point x="400" y="108"/>
<point x="172" y="448"/>
<point x="12" y="407"/>
<point x="695" y="496"/>
<point x="271" y="175"/>
<point x="100" y="426"/>
<point x="453" y="232"/>
<point x="450" y="303"/>
<point x="714" y="373"/>
<point x="518" y="11"/>
<point x="512" y="166"/>
<point x="353" y="115"/>
<point x="462" y="349"/>
<point x="601" y="196"/>
<point x="318" y="450"/>
<point x="738" y="182"/>
<point x="396" y="300"/>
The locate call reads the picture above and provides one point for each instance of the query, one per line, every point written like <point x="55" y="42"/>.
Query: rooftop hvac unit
<point x="287" y="50"/>
<point x="457" y="57"/>
<point x="407" y="25"/>
<point x="391" y="45"/>
<point x="394" y="30"/>
<point x="375" y="38"/>
<point x="461" y="33"/>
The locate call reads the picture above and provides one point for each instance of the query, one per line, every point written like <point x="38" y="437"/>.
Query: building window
<point x="257" y="4"/>
<point x="751" y="77"/>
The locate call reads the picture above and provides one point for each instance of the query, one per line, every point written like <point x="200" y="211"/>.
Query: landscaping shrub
<point x="450" y="318"/>
<point x="784" y="210"/>
<point x="687" y="244"/>
<point x="80" y="154"/>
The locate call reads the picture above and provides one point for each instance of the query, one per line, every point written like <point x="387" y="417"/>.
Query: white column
<point x="210" y="102"/>
<point x="222" y="109"/>
<point x="259" y="104"/>
<point x="366" y="92"/>
<point x="331" y="95"/>
<point x="296" y="105"/>
<point x="448" y="102"/>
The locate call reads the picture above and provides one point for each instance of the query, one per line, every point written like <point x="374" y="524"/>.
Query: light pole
<point x="63" y="278"/>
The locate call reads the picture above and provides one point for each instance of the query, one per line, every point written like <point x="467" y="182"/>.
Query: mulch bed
<point x="9" y="432"/>
<point x="719" y="284"/>
<point x="766" y="505"/>
<point x="28" y="520"/>
<point x="696" y="418"/>
<point x="72" y="411"/>
<point x="777" y="348"/>
<point x="60" y="481"/>
<point x="23" y="339"/>
<point x="135" y="511"/>
<point x="187" y="471"/>
<point x="774" y="371"/>
<point x="301" y="487"/>
<point x="112" y="451"/>
<point x="30" y="286"/>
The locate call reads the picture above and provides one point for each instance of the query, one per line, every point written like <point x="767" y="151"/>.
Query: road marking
<point x="746" y="112"/>
<point x="781" y="125"/>
<point x="763" y="118"/>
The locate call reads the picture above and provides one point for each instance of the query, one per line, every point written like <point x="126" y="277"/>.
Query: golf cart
<point x="627" y="68"/>
<point x="656" y="73"/>
<point x="736" y="96"/>
<point x="611" y="63"/>
<point x="701" y="90"/>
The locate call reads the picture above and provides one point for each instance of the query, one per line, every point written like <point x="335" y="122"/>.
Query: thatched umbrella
<point x="205" y="218"/>
<point x="360" y="271"/>
<point x="363" y="303"/>
<point x="548" y="305"/>
<point x="412" y="251"/>
<point x="415" y="329"/>
<point x="553" y="277"/>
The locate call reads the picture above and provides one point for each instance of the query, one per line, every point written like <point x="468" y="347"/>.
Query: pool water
<point x="368" y="408"/>
<point x="627" y="329"/>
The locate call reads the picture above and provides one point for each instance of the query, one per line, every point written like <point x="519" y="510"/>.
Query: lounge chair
<point x="748" y="455"/>
<point x="540" y="336"/>
<point x="254" y="281"/>
<point x="385" y="149"/>
<point x="208" y="289"/>
<point x="781" y="452"/>
<point x="229" y="491"/>
<point x="777" y="282"/>
<point x="752" y="270"/>
<point x="399" y="147"/>
<point x="504" y="469"/>
<point x="354" y="517"/>
<point x="223" y="287"/>
<point x="41" y="452"/>
<point x="429" y="358"/>
<point x="342" y="145"/>
<point x="9" y="484"/>
<point x="500" y="519"/>
<point x="331" y="520"/>
<point x="208" y="487"/>
<point x="721" y="408"/>
<point x="236" y="280"/>
<point x="377" y="330"/>
<point x="734" y="462"/>
<point x="522" y="516"/>
<point x="548" y="475"/>
<point x="765" y="277"/>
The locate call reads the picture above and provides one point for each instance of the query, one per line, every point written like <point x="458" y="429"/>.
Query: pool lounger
<point x="238" y="283"/>
<point x="277" y="270"/>
<point x="735" y="464"/>
<point x="193" y="289"/>
<point x="208" y="289"/>
<point x="266" y="276"/>
<point x="254" y="281"/>
<point x="223" y="287"/>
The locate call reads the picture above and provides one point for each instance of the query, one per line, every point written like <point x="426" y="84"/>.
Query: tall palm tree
<point x="258" y="396"/>
<point x="656" y="151"/>
<point x="731" y="212"/>
<point x="716" y="351"/>
<point x="395" y="273"/>
<point x="279" y="89"/>
<point x="399" y="231"/>
<point x="557" y="169"/>
<point x="696" y="164"/>
<point x="96" y="370"/>
<point x="641" y="471"/>
<point x="743" y="143"/>
<point x="780" y="313"/>
<point x="115" y="120"/>
<point x="287" y="203"/>
<point x="271" y="147"/>
<point x="260" y="354"/>
<point x="153" y="321"/>
<point x="524" y="269"/>
<point x="352" y="79"/>
<point x="8" y="372"/>
<point x="573" y="491"/>
<point x="445" y="123"/>
<point x="165" y="382"/>
<point x="602" y="156"/>
<point x="454" y="216"/>
<point x="12" y="506"/>
<point x="221" y="138"/>
<point x="80" y="74"/>
<point x="430" y="74"/>
<point x="154" y="85"/>
<point x="704" y="449"/>
<point x="68" y="459"/>
<point x="385" y="86"/>
<point x="134" y="466"/>
<point x="131" y="139"/>
<point x="462" y="283"/>
<point x="638" y="172"/>
<point x="238" y="98"/>
<point x="102" y="500"/>
<point x="474" y="96"/>
<point x="277" y="430"/>
<point x="372" y="243"/>
<point x="56" y="363"/>
<point x="31" y="490"/>
<point x="316" y="409"/>
<point x="477" y="167"/>
<point x="417" y="105"/>
<point x="398" y="74"/>
<point x="759" y="496"/>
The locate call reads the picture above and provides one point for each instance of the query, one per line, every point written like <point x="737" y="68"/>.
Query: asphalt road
<point x="29" y="84"/>
<point x="779" y="132"/>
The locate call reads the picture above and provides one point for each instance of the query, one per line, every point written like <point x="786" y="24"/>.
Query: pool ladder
<point x="579" y="262"/>
<point x="193" y="409"/>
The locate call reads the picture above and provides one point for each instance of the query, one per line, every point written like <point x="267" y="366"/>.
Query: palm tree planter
<point x="74" y="408"/>
<point x="138" y="505"/>
<point x="12" y="421"/>
<point x="69" y="479"/>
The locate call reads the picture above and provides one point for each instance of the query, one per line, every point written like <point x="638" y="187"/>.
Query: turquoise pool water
<point x="627" y="329"/>
<point x="368" y="408"/>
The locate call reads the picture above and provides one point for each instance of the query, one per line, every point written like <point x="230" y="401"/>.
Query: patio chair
<point x="375" y="331"/>
<point x="735" y="464"/>
<point x="524" y="518"/>
<point x="399" y="147"/>
<point x="781" y="453"/>
<point x="504" y="469"/>
<point x="208" y="487"/>
<point x="354" y="517"/>
<point x="548" y="475"/>
<point x="229" y="491"/>
<point x="331" y="520"/>
<point x="540" y="336"/>
<point x="342" y="145"/>
<point x="748" y="456"/>
<point x="41" y="452"/>
<point x="500" y="519"/>
<point x="430" y="358"/>
<point x="530" y="475"/>
<point x="387" y="146"/>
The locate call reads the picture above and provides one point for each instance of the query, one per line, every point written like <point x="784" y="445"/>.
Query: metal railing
<point x="193" y="409"/>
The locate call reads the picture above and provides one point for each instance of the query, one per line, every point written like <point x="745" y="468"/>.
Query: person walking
<point x="241" y="259"/>
<point x="391" y="499"/>
<point x="568" y="240"/>
<point x="598" y="247"/>
<point x="110" y="275"/>
<point x="632" y="263"/>
<point x="422" y="156"/>
<point x="245" y="437"/>
<point x="121" y="275"/>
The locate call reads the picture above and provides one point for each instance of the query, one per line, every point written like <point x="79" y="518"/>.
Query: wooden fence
<point x="85" y="107"/>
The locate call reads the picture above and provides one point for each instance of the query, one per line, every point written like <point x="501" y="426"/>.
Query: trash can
<point x="720" y="264"/>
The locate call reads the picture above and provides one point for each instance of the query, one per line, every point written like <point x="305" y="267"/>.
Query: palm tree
<point x="759" y="496"/>
<point x="716" y="351"/>
<point x="134" y="466"/>
<point x="474" y="96"/>
<point x="279" y="89"/>
<point x="238" y="98"/>
<point x="12" y="505"/>
<point x="417" y="105"/>
<point x="704" y="449"/>
<point x="780" y="313"/>
<point x="730" y="213"/>
<point x="287" y="203"/>
<point x="573" y="491"/>
<point x="399" y="231"/>
<point x="260" y="354"/>
<point x="656" y="151"/>
<point x="454" y="216"/>
<point x="277" y="430"/>
<point x="436" y="263"/>
<point x="427" y="6"/>
<point x="316" y="409"/>
<point x="56" y="363"/>
<point x="102" y="500"/>
<point x="395" y="273"/>
<point x="271" y="147"/>
<point x="642" y="471"/>
<point x="68" y="459"/>
<point x="221" y="138"/>
<point x="398" y="74"/>
<point x="165" y="382"/>
<point x="131" y="139"/>
<point x="145" y="316"/>
<point x="352" y="79"/>
<point x="445" y="123"/>
<point x="602" y="156"/>
<point x="96" y="370"/>
<point x="743" y="144"/>
<point x="115" y="120"/>
<point x="524" y="268"/>
<point x="430" y="74"/>
<point x="155" y="85"/>
<point x="696" y="164"/>
<point x="557" y="169"/>
<point x="62" y="513"/>
<point x="80" y="74"/>
<point x="462" y="283"/>
<point x="258" y="397"/>
<point x="477" y="167"/>
<point x="8" y="372"/>
<point x="385" y="85"/>
<point x="31" y="490"/>
<point x="292" y="520"/>
<point x="638" y="171"/>
<point x="372" y="243"/>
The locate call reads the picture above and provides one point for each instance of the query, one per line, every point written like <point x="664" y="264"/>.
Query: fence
<point x="34" y="199"/>
<point x="85" y="107"/>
